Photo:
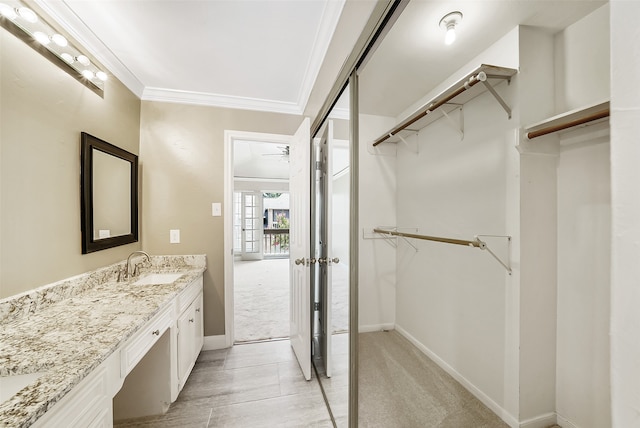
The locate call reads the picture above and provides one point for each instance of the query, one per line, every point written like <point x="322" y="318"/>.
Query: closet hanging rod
<point x="560" y="127"/>
<point x="460" y="91"/>
<point x="476" y="243"/>
<point x="473" y="80"/>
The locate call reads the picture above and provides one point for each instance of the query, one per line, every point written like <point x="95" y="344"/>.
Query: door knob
<point x="299" y="261"/>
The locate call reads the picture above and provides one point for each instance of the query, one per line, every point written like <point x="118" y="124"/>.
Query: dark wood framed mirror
<point x="109" y="195"/>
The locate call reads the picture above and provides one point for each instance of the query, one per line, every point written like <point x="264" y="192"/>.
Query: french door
<point x="251" y="220"/>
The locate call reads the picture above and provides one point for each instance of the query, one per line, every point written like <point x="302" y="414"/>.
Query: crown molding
<point x="65" y="17"/>
<point x="217" y="100"/>
<point x="328" y="23"/>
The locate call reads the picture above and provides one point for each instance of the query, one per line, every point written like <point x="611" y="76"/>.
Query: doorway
<point x="256" y="237"/>
<point x="261" y="265"/>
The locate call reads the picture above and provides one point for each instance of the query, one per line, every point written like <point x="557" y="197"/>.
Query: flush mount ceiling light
<point x="449" y="23"/>
<point x="26" y="24"/>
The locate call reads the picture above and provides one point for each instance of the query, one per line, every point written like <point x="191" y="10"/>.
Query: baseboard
<point x="375" y="327"/>
<point x="212" y="343"/>
<point x="565" y="423"/>
<point x="542" y="421"/>
<point x="484" y="398"/>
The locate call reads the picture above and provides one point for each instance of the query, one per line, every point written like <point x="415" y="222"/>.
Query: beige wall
<point x="182" y="164"/>
<point x="42" y="112"/>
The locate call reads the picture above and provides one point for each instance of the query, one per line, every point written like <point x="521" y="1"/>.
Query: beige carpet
<point x="401" y="387"/>
<point x="261" y="299"/>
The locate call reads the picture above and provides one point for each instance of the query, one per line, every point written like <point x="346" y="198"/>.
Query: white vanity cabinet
<point x="143" y="375"/>
<point x="190" y="329"/>
<point x="138" y="346"/>
<point x="88" y="405"/>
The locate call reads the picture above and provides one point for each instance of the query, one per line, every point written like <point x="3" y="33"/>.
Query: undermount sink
<point x="10" y="385"/>
<point x="158" y="278"/>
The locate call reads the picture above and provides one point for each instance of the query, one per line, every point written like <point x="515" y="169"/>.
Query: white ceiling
<point x="260" y="160"/>
<point x="251" y="54"/>
<point x="413" y="59"/>
<point x="266" y="54"/>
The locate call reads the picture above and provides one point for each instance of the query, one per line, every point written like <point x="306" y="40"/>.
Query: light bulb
<point x="59" y="40"/>
<point x="450" y="36"/>
<point x="83" y="60"/>
<point x="88" y="74"/>
<point x="67" y="57"/>
<point x="27" y="14"/>
<point x="448" y="23"/>
<point x="101" y="75"/>
<point x="42" y="38"/>
<point x="8" y="12"/>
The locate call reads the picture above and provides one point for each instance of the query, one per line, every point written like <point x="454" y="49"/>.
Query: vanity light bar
<point x="25" y="23"/>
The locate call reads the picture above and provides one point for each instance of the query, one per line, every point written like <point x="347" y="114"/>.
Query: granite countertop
<point x="68" y="339"/>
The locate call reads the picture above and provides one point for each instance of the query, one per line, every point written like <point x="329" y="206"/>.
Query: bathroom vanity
<point x="80" y="351"/>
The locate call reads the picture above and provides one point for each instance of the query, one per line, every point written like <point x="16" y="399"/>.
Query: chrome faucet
<point x="127" y="272"/>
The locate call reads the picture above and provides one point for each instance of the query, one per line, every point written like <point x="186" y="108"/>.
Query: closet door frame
<point x="380" y="22"/>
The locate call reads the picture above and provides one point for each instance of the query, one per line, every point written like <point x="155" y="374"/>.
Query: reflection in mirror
<point x="331" y="277"/>
<point x="416" y="309"/>
<point x="109" y="195"/>
<point x="443" y="331"/>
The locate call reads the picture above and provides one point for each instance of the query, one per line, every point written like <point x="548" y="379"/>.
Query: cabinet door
<point x="185" y="343"/>
<point x="198" y="327"/>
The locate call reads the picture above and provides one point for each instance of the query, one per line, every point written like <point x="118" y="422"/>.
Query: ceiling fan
<point x="284" y="153"/>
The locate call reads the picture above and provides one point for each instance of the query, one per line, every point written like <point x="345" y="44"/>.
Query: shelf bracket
<point x="458" y="126"/>
<point x="497" y="96"/>
<point x="483" y="246"/>
<point x="417" y="147"/>
<point x="389" y="238"/>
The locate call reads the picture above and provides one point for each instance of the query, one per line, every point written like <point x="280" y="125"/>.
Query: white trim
<point x="484" y="398"/>
<point x="564" y="422"/>
<point x="229" y="137"/>
<point x="228" y="238"/>
<point x="375" y="327"/>
<point x="211" y="343"/>
<point x="328" y="23"/>
<point x="217" y="100"/>
<point x="541" y="421"/>
<point x="62" y="14"/>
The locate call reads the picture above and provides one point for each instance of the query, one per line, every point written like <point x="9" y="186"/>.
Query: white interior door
<point x="326" y="144"/>
<point x="252" y="223"/>
<point x="299" y="247"/>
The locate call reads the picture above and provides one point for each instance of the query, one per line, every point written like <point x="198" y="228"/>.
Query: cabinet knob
<point x="197" y="309"/>
<point x="156" y="332"/>
<point x="335" y="260"/>
<point x="190" y="319"/>
<point x="299" y="261"/>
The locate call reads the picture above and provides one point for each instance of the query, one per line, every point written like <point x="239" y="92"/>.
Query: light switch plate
<point x="174" y="236"/>
<point x="216" y="209"/>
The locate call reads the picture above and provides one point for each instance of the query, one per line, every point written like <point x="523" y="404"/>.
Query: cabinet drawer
<point x="143" y="340"/>
<point x="191" y="292"/>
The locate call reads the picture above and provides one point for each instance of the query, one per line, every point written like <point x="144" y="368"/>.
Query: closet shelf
<point x="588" y="115"/>
<point x="459" y="93"/>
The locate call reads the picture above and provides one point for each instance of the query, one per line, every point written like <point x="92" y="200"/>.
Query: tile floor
<point x="260" y="385"/>
<point x="250" y="385"/>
